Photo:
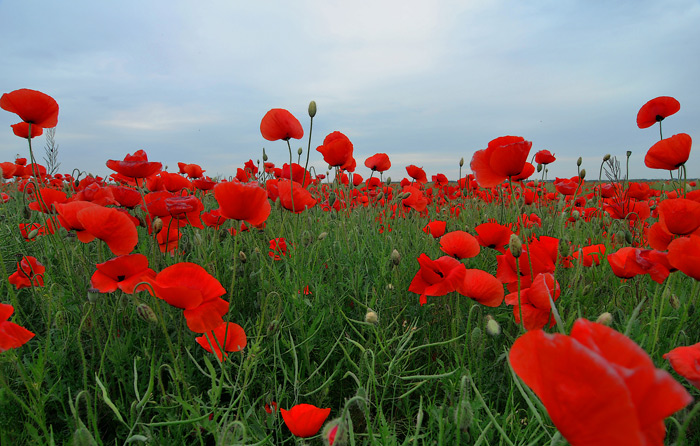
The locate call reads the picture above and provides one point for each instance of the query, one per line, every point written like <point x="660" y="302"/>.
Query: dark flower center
<point x="659" y="118"/>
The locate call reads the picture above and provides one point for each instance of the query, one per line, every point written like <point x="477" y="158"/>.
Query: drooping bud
<point x="539" y="168"/>
<point x="579" y="161"/>
<point x="461" y="162"/>
<point x="388" y="181"/>
<point x="582" y="174"/>
<point x="605" y="319"/>
<point x="515" y="245"/>
<point x="575" y="215"/>
<point x="322" y="235"/>
<point x="146" y="313"/>
<point x="335" y="433"/>
<point x="629" y="153"/>
<point x="493" y="328"/>
<point x="371" y="317"/>
<point x="157" y="225"/>
<point x="264" y="155"/>
<point x="33" y="233"/>
<point x="606" y="157"/>
<point x="242" y="257"/>
<point x="312" y="109"/>
<point x="300" y="151"/>
<point x="395" y="257"/>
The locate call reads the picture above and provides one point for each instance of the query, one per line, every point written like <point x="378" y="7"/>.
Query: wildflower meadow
<point x="284" y="306"/>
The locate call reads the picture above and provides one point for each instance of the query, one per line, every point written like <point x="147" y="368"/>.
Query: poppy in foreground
<point x="598" y="386"/>
<point x="669" y="153"/>
<point x="686" y="362"/>
<point x="11" y="334"/>
<point x="33" y="107"/>
<point x="337" y="151"/>
<point x="29" y="273"/>
<point x="305" y="420"/>
<point x="228" y="335"/>
<point x="657" y="110"/>
<point x="278" y="123"/>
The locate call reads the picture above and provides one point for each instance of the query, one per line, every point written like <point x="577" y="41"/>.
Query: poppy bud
<point x="312" y="109"/>
<point x="565" y="248"/>
<point x="388" y="181"/>
<point x="389" y="286"/>
<point x="461" y="162"/>
<point x="606" y="157"/>
<point x="157" y="225"/>
<point x="146" y="313"/>
<point x="371" y="317"/>
<point x="242" y="257"/>
<point x="539" y="168"/>
<point x="335" y="433"/>
<point x="674" y="301"/>
<point x="322" y="235"/>
<point x="579" y="161"/>
<point x="492" y="326"/>
<point x="515" y="245"/>
<point x="476" y="337"/>
<point x="395" y="257"/>
<point x="605" y="319"/>
<point x="629" y="153"/>
<point x="628" y="237"/>
<point x="575" y="215"/>
<point x="93" y="294"/>
<point x="582" y="174"/>
<point x="265" y="158"/>
<point x="300" y="151"/>
<point x="33" y="233"/>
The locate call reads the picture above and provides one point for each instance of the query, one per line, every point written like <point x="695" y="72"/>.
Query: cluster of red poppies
<point x="141" y="194"/>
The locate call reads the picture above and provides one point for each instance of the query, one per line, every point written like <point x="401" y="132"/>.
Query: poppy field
<point x="281" y="305"/>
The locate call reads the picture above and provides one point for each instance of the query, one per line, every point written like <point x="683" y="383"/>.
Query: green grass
<point x="96" y="373"/>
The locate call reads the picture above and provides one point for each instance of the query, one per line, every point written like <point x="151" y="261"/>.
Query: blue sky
<point x="425" y="82"/>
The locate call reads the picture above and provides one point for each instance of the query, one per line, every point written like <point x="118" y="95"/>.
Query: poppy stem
<point x="308" y="150"/>
<point x="291" y="175"/>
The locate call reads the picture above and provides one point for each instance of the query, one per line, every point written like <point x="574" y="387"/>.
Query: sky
<point x="426" y="82"/>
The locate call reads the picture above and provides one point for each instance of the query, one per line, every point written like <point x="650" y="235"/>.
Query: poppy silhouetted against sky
<point x="427" y="83"/>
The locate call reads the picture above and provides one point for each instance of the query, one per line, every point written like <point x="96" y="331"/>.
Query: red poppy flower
<point x="135" y="166"/>
<point x="417" y="173"/>
<point x="416" y="199"/>
<point x="22" y="130"/>
<point x="122" y="272"/>
<point x="204" y="184"/>
<point x="684" y="254"/>
<point x="534" y="302"/>
<point x="435" y="228"/>
<point x="378" y="162"/>
<point x="67" y="217"/>
<point x="191" y="170"/>
<point x="436" y="277"/>
<point x="669" y="153"/>
<point x="111" y="226"/>
<point x="590" y="254"/>
<point x="305" y="420"/>
<point x="337" y="151"/>
<point x="440" y="179"/>
<point x="544" y="157"/>
<point x="241" y="201"/>
<point x="188" y="286"/>
<point x="49" y="198"/>
<point x="460" y="245"/>
<point x="280" y="124"/>
<point x="598" y="386"/>
<point x="11" y="334"/>
<point x="8" y="170"/>
<point x="567" y="186"/>
<point x="228" y="335"/>
<point x="33" y="107"/>
<point x="29" y="273"/>
<point x="538" y="256"/>
<point x="503" y="158"/>
<point x="302" y="197"/>
<point x="679" y="216"/>
<point x="126" y="196"/>
<point x="686" y="362"/>
<point x="628" y="262"/>
<point x="278" y="248"/>
<point x="481" y="287"/>
<point x="656" y="110"/>
<point x="493" y="235"/>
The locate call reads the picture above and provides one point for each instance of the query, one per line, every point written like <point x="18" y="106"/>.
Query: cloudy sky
<point x="427" y="82"/>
